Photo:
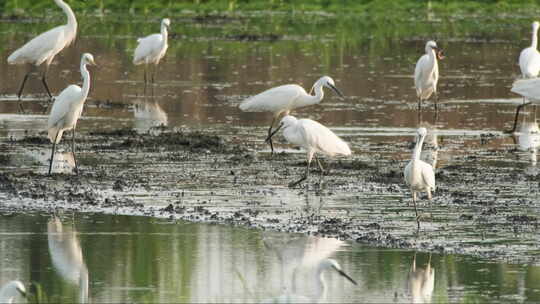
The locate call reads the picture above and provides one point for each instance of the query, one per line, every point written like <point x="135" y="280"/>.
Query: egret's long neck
<point x="418" y="148"/>
<point x="72" y="21"/>
<point x="164" y="32"/>
<point x="534" y="39"/>
<point x="86" y="80"/>
<point x="307" y="100"/>
<point x="432" y="57"/>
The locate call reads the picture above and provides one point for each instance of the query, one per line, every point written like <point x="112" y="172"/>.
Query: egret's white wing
<point x="61" y="108"/>
<point x="529" y="62"/>
<point x="321" y="138"/>
<point x="528" y="88"/>
<point x="40" y="48"/>
<point x="419" y="73"/>
<point x="273" y="100"/>
<point x="149" y="46"/>
<point x="428" y="174"/>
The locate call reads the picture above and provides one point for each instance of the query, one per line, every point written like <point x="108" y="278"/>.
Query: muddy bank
<point x="480" y="208"/>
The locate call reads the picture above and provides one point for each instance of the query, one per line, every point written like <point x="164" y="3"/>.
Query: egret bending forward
<point x="283" y="99"/>
<point x="313" y="137"/>
<point x="67" y="109"/>
<point x="426" y="73"/>
<point x="419" y="175"/>
<point x="529" y="58"/>
<point x="152" y="48"/>
<point x="44" y="47"/>
<point x="10" y="290"/>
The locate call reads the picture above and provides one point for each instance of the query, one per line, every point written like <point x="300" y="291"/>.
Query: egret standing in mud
<point x="529" y="58"/>
<point x="67" y="109"/>
<point x="44" y="47"/>
<point x="419" y="175"/>
<point x="426" y="73"/>
<point x="321" y="288"/>
<point x="152" y="48"/>
<point x="313" y="137"/>
<point x="283" y="99"/>
<point x="10" y="290"/>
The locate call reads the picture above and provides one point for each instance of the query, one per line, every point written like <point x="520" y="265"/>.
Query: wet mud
<point x="478" y="209"/>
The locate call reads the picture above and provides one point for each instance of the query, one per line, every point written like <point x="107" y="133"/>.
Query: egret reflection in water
<point x="528" y="138"/>
<point x="66" y="255"/>
<point x="148" y="114"/>
<point x="421" y="281"/>
<point x="303" y="262"/>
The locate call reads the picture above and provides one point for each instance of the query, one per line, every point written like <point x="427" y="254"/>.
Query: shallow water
<point x="113" y="259"/>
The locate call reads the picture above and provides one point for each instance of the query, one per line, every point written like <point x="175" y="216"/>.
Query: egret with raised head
<point x="45" y="46"/>
<point x="419" y="175"/>
<point x="67" y="109"/>
<point x="152" y="48"/>
<point x="283" y="99"/>
<point x="529" y="58"/>
<point x="426" y="73"/>
<point x="313" y="137"/>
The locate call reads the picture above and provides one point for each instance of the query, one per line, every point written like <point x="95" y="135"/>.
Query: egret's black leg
<point x="320" y="165"/>
<point x="416" y="210"/>
<point x="517" y="115"/>
<point x="303" y="178"/>
<point x="44" y="80"/>
<point x="436" y="101"/>
<point x="52" y="152"/>
<point x="22" y="84"/>
<point x="270" y="138"/>
<point x="73" y="150"/>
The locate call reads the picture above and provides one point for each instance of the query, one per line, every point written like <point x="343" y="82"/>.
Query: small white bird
<point x="528" y="89"/>
<point x="529" y="58"/>
<point x="152" y="48"/>
<point x="320" y="288"/>
<point x="45" y="46"/>
<point x="10" y="290"/>
<point x="313" y="137"/>
<point x="283" y="99"/>
<point x="67" y="109"/>
<point x="419" y="175"/>
<point x="426" y="73"/>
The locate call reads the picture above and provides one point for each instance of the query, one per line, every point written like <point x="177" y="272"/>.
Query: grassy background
<point x="173" y="7"/>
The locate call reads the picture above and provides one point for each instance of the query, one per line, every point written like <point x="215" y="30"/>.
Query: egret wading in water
<point x="320" y="285"/>
<point x="152" y="48"/>
<point x="426" y="73"/>
<point x="283" y="99"/>
<point x="67" y="109"/>
<point x="45" y="46"/>
<point x="529" y="58"/>
<point x="10" y="290"/>
<point x="419" y="175"/>
<point x="529" y="89"/>
<point x="313" y="137"/>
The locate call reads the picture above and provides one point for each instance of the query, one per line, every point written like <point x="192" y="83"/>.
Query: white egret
<point x="529" y="58"/>
<point x="419" y="175"/>
<point x="45" y="46"/>
<point x="320" y="285"/>
<point x="67" y="109"/>
<point x="152" y="48"/>
<point x="426" y="73"/>
<point x="283" y="99"/>
<point x="313" y="137"/>
<point x="528" y="89"/>
<point x="10" y="290"/>
<point x="421" y="282"/>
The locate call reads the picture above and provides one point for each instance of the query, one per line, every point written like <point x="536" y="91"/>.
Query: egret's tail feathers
<point x="15" y="57"/>
<point x="528" y="88"/>
<point x="245" y="105"/>
<point x="52" y="134"/>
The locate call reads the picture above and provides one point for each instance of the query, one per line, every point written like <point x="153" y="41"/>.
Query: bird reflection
<point x="11" y="290"/>
<point x="66" y="255"/>
<point x="528" y="138"/>
<point x="421" y="281"/>
<point x="149" y="114"/>
<point x="300" y="258"/>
